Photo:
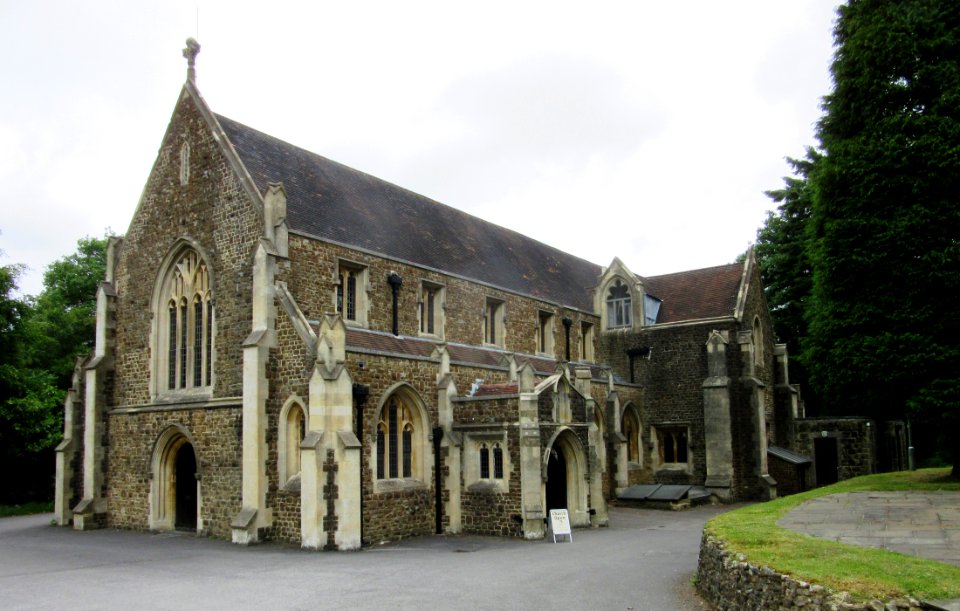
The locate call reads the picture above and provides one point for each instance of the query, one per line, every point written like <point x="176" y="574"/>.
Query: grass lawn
<point x="26" y="509"/>
<point x="865" y="573"/>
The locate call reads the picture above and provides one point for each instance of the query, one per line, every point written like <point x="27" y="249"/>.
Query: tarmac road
<point x="646" y="559"/>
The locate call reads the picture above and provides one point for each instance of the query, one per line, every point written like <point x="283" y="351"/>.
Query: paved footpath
<point x="645" y="560"/>
<point x="925" y="524"/>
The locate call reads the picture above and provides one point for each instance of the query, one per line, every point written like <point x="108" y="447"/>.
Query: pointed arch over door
<point x="175" y="492"/>
<point x="565" y="477"/>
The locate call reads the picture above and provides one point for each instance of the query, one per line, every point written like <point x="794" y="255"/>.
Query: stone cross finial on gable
<point x="193" y="47"/>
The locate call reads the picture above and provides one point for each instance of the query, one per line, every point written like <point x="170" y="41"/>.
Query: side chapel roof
<point x="700" y="293"/>
<point x="333" y="202"/>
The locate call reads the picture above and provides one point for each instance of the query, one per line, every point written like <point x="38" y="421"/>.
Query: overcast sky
<point x="643" y="130"/>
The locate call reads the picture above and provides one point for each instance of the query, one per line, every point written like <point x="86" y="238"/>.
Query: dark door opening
<point x="556" y="480"/>
<point x="186" y="488"/>
<point x="825" y="453"/>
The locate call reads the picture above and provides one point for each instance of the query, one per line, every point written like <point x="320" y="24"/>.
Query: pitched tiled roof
<point x="380" y="342"/>
<point x="334" y="202"/>
<point x="494" y="390"/>
<point x="701" y="293"/>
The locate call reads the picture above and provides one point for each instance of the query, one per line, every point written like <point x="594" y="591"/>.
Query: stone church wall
<point x="672" y="380"/>
<point x="215" y="213"/>
<point x="313" y="283"/>
<point x="216" y="433"/>
<point x="856" y="445"/>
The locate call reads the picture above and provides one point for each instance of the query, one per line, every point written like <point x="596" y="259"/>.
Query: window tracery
<point x="396" y="434"/>
<point x="188" y="316"/>
<point x="619" y="312"/>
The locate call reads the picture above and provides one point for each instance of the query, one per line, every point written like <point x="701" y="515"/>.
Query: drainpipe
<point x="566" y="329"/>
<point x="437" y="491"/>
<point x="395" y="282"/>
<point x="360" y="394"/>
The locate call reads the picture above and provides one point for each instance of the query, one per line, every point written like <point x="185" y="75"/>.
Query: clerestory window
<point x="493" y="322"/>
<point x="431" y="309"/>
<point x="586" y="341"/>
<point x="350" y="293"/>
<point x="545" y="333"/>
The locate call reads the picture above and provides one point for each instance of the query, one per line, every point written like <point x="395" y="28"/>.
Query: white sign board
<point x="560" y="524"/>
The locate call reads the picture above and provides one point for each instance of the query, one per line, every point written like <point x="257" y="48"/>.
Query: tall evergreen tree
<point x="885" y="222"/>
<point x="781" y="252"/>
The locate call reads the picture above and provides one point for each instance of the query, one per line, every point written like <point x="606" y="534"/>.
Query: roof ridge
<point x="699" y="269"/>
<point x="405" y="190"/>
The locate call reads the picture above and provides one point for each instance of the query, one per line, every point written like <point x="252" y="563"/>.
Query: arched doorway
<point x="185" y="488"/>
<point x="565" y="472"/>
<point x="175" y="493"/>
<point x="556" y="480"/>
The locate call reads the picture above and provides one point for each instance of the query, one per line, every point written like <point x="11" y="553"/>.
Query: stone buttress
<point x="254" y="516"/>
<point x="91" y="511"/>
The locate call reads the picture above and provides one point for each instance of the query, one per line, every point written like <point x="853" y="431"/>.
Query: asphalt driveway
<point x="644" y="560"/>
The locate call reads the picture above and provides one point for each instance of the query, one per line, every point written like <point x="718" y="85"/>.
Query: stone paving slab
<point x="925" y="524"/>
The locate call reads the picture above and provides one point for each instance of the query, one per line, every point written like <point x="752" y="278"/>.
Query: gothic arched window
<point x="397" y="453"/>
<point x="619" y="312"/>
<point x="185" y="346"/>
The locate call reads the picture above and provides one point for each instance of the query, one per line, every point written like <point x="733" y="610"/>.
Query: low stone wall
<point x="727" y="581"/>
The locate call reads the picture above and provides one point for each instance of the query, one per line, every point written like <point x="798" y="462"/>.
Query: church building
<point x="289" y="349"/>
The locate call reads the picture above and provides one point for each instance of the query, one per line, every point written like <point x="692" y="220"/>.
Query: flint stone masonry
<point x="728" y="581"/>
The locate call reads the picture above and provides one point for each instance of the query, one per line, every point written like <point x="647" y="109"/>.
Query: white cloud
<point x="647" y="131"/>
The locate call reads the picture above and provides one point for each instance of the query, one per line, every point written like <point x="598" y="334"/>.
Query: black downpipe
<point x="438" y="492"/>
<point x="395" y="282"/>
<point x="360" y="394"/>
<point x="566" y="329"/>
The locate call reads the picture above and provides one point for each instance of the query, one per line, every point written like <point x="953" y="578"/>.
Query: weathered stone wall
<point x="672" y="381"/>
<point x="485" y="508"/>
<point x="216" y="433"/>
<point x="856" y="443"/>
<point x="791" y="478"/>
<point x="286" y="515"/>
<point x="728" y="581"/>
<point x="213" y="212"/>
<point x="314" y="279"/>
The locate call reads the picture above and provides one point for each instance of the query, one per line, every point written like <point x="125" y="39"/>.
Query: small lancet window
<point x="484" y="461"/>
<point x="488" y="466"/>
<point x="185" y="164"/>
<point x="497" y="461"/>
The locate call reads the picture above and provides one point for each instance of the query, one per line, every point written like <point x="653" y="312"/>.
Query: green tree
<point x="781" y="251"/>
<point x="885" y="221"/>
<point x="39" y="341"/>
<point x="63" y="317"/>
